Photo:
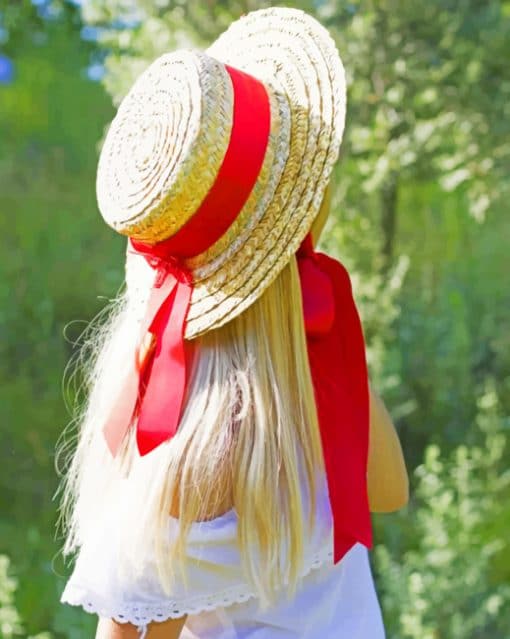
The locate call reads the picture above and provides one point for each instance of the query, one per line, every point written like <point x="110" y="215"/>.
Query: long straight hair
<point x="248" y="426"/>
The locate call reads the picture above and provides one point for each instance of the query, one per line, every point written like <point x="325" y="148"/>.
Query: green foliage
<point x="421" y="76"/>
<point x="446" y="586"/>
<point x="10" y="621"/>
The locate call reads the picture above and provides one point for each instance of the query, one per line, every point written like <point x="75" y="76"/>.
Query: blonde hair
<point x="248" y="426"/>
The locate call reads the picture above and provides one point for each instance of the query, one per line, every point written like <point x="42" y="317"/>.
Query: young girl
<point x="230" y="450"/>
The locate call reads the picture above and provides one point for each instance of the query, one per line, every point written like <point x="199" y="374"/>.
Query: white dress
<point x="332" y="602"/>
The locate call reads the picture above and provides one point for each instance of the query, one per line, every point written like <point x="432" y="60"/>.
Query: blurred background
<point x="420" y="218"/>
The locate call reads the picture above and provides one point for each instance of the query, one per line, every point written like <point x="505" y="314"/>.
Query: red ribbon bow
<point x="157" y="386"/>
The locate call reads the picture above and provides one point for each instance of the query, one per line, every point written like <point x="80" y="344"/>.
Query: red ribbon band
<point x="238" y="173"/>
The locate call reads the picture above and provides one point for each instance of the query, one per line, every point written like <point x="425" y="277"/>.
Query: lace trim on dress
<point x="142" y="615"/>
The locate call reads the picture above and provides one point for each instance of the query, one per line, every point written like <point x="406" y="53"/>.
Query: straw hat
<point x="165" y="146"/>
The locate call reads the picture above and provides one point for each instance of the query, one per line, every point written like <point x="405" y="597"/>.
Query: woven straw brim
<point x="294" y="55"/>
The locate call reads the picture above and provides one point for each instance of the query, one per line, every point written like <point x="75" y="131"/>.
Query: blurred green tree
<point x="54" y="263"/>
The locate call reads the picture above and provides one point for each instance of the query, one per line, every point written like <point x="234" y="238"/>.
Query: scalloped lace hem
<point x="143" y="614"/>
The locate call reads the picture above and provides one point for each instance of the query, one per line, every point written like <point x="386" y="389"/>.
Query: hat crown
<point x="164" y="147"/>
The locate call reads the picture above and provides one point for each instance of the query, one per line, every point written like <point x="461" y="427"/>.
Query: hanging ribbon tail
<point x="318" y="298"/>
<point x="339" y="372"/>
<point x="123" y="409"/>
<point x="160" y="410"/>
